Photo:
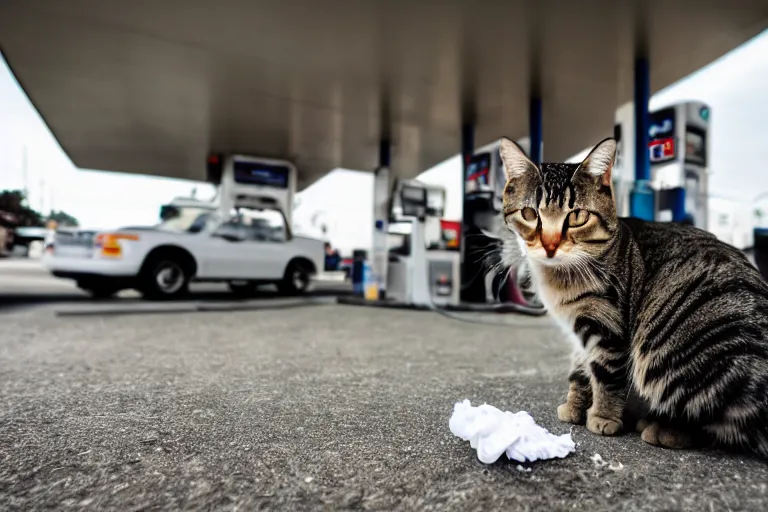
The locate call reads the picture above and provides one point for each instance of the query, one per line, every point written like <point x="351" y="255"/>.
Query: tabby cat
<point x="663" y="314"/>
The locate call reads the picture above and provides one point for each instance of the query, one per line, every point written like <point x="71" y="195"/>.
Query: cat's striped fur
<point x="663" y="312"/>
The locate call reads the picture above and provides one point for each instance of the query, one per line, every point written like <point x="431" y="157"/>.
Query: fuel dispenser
<point x="679" y="150"/>
<point x="485" y="181"/>
<point x="480" y="191"/>
<point x="420" y="273"/>
<point x="424" y="255"/>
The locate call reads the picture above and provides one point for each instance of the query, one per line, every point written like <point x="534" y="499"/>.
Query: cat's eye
<point x="528" y="214"/>
<point x="577" y="218"/>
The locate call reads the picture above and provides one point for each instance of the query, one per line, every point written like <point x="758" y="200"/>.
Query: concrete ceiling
<point x="151" y="86"/>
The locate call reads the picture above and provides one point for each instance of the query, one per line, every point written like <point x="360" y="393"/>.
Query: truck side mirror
<point x="168" y="211"/>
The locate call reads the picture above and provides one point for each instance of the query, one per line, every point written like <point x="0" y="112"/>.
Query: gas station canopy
<point x="151" y="87"/>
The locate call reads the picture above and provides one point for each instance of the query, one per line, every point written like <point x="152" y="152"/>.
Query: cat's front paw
<point x="603" y="426"/>
<point x="570" y="413"/>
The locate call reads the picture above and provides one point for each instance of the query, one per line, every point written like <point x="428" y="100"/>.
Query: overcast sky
<point x="735" y="87"/>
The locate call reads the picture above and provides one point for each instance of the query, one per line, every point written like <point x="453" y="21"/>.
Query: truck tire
<point x="165" y="276"/>
<point x="297" y="278"/>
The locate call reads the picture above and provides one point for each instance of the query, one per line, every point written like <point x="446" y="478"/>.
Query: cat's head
<point x="563" y="212"/>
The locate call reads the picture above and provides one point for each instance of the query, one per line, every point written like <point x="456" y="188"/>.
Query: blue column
<point x="677" y="198"/>
<point x="642" y="98"/>
<point x="535" y="130"/>
<point x="642" y="197"/>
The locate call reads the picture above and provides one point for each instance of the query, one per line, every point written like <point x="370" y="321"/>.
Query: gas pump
<point x="420" y="273"/>
<point x="483" y="200"/>
<point x="424" y="255"/>
<point x="679" y="151"/>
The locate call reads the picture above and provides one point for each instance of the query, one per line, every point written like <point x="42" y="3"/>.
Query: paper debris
<point x="598" y="460"/>
<point x="492" y="433"/>
<point x="600" y="463"/>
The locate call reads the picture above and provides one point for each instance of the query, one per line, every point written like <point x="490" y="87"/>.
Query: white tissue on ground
<point x="492" y="433"/>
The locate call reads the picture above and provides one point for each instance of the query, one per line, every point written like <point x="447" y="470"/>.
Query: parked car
<point x="246" y="249"/>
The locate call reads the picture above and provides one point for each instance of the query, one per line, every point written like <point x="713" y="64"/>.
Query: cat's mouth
<point x="541" y="257"/>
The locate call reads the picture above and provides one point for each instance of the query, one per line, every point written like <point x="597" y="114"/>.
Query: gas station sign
<point x="661" y="136"/>
<point x="662" y="150"/>
<point x="248" y="172"/>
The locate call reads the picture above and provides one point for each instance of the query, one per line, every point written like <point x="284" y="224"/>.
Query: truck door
<point x="250" y="245"/>
<point x="222" y="251"/>
<point x="266" y="247"/>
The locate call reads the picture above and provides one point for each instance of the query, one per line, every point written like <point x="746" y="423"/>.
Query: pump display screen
<point x="259" y="173"/>
<point x="435" y="202"/>
<point x="414" y="195"/>
<point x="695" y="146"/>
<point x="414" y="201"/>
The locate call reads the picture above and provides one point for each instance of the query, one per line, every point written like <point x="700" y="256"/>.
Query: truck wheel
<point x="164" y="278"/>
<point x="297" y="278"/>
<point x="98" y="291"/>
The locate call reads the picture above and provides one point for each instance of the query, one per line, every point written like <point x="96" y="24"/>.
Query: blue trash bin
<point x="359" y="257"/>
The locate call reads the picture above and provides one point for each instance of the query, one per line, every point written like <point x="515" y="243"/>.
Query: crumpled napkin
<point x="492" y="432"/>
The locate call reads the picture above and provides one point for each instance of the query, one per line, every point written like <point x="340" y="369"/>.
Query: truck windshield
<point x="186" y="219"/>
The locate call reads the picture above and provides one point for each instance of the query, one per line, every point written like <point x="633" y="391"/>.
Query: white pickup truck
<point x="247" y="249"/>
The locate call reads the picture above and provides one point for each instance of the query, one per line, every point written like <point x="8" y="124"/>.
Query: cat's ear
<point x="516" y="162"/>
<point x="599" y="161"/>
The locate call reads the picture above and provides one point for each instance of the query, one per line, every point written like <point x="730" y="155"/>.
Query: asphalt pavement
<point x="325" y="407"/>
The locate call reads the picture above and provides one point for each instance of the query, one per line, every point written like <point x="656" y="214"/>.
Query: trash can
<point x="761" y="251"/>
<point x="370" y="284"/>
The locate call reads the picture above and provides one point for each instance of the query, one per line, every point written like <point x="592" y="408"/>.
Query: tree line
<point x="14" y="204"/>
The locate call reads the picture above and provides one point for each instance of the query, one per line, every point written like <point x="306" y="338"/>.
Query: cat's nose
<point x="550" y="241"/>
